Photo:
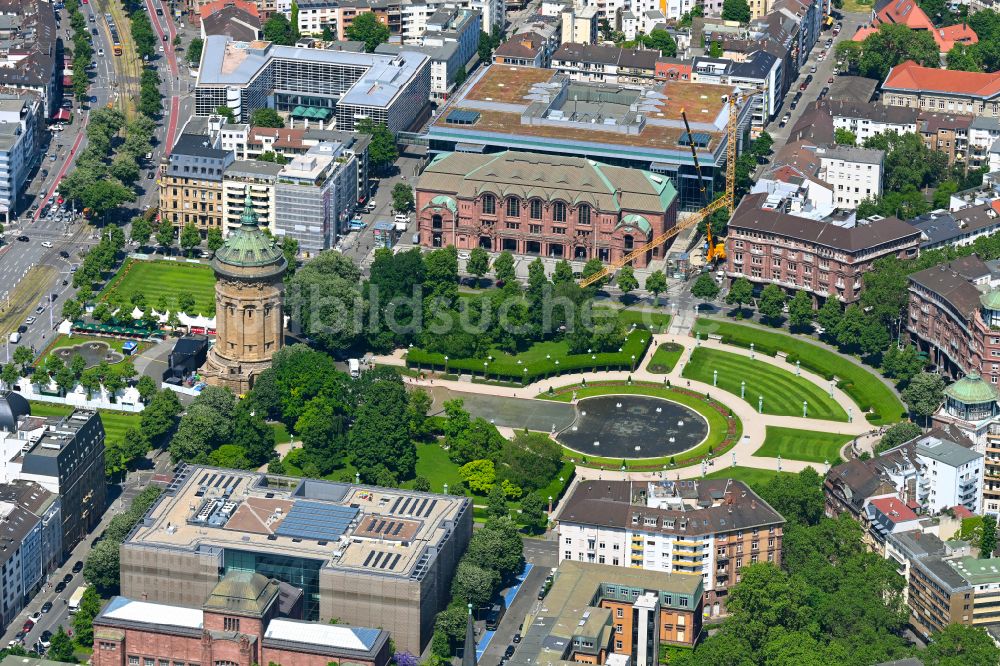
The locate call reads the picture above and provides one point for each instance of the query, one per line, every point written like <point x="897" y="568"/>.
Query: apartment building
<point x="258" y="180"/>
<point x="983" y="136"/>
<point x="542" y="205"/>
<point x="930" y="89"/>
<point x="942" y="228"/>
<point x="601" y="614"/>
<point x="191" y="182"/>
<point x="30" y="524"/>
<point x="759" y="71"/>
<point x="769" y="246"/>
<point x="31" y="58"/>
<point x="605" y="64"/>
<point x="579" y="24"/>
<point x="337" y="86"/>
<point x="884" y="516"/>
<point x="866" y="120"/>
<point x="854" y="174"/>
<point x="371" y="557"/>
<point x="21" y="127"/>
<point x="708" y="529"/>
<point x="63" y="455"/>
<point x="244" y="620"/>
<point x="237" y="19"/>
<point x="909" y="13"/>
<point x="642" y="22"/>
<point x="523" y="50"/>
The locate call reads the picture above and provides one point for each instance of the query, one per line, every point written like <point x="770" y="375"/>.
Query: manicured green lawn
<point x="434" y="465"/>
<point x="865" y="388"/>
<point x="115" y="423"/>
<point x="656" y="320"/>
<point x="751" y="476"/>
<point x="665" y="358"/>
<point x="165" y="278"/>
<point x="783" y="391"/>
<point x="73" y="340"/>
<point x="818" y="447"/>
<point x="281" y="434"/>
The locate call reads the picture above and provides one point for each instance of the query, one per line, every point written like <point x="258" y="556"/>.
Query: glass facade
<point x="296" y="571"/>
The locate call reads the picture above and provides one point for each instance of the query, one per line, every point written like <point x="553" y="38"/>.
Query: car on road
<point x="40" y="309"/>
<point x="823" y="92"/>
<point x="46" y="639"/>
<point x="46" y="244"/>
<point x="30" y="320"/>
<point x="34" y="616"/>
<point x="23" y="239"/>
<point x="100" y="52"/>
<point x="93" y="99"/>
<point x="28" y="624"/>
<point x="52" y="157"/>
<point x="161" y="48"/>
<point x="803" y="86"/>
<point x="830" y="81"/>
<point x="47" y="606"/>
<point x="22" y="329"/>
<point x="159" y="11"/>
<point x="150" y="175"/>
<point x="60" y="586"/>
<point x="67" y="578"/>
<point x="78" y="566"/>
<point x="64" y="254"/>
<point x="812" y="70"/>
<point x="164" y="37"/>
<point x="509" y="652"/>
<point x="93" y="31"/>
<point x="794" y="104"/>
<point x="517" y="637"/>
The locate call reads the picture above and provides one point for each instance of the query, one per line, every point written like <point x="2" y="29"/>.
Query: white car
<point x="402" y="218"/>
<point x="46" y="244"/>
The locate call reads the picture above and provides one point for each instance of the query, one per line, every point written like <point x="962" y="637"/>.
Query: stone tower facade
<point x="249" y="299"/>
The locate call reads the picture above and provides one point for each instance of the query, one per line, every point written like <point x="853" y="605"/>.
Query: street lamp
<point x="743" y="389"/>
<point x="446" y="365"/>
<point x="760" y="404"/>
<point x="805" y="409"/>
<point x="715" y="377"/>
<point x="485" y="373"/>
<point x="798" y="367"/>
<point x="751" y="350"/>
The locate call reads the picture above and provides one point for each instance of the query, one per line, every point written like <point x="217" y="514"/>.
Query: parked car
<point x="34" y="616"/>
<point x="78" y="566"/>
<point x="509" y="652"/>
<point x="60" y="586"/>
<point x="23" y="239"/>
<point x="67" y="578"/>
<point x="150" y="175"/>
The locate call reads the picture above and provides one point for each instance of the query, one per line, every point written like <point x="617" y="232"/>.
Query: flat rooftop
<point x="366" y="529"/>
<point x="544" y="106"/>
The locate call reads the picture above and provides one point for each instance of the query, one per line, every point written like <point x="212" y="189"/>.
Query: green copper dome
<point x="971" y="389"/>
<point x="247" y="245"/>
<point x="991" y="299"/>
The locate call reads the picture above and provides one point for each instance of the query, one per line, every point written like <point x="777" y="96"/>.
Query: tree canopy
<point x="366" y="28"/>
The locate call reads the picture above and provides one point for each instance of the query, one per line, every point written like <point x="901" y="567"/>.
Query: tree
<point x="497" y="547"/>
<point x="902" y="364"/>
<point x="736" y="10"/>
<point x="829" y="315"/>
<point x="960" y="645"/>
<point x="740" y="292"/>
<point x="402" y="198"/>
<point x="988" y="537"/>
<point x="294" y="19"/>
<point x="473" y="584"/>
<point x="563" y="273"/>
<point x="214" y="239"/>
<point x="660" y="40"/>
<point x="147" y="388"/>
<point x="165" y="235"/>
<point x="593" y="267"/>
<point x="963" y="58"/>
<point x="194" y="50"/>
<point x="845" y="137"/>
<point x="761" y="147"/>
<point x="487" y="43"/>
<point x="503" y="267"/>
<point x="324" y="301"/>
<point x="896" y="434"/>
<point x="102" y="567"/>
<point x="273" y="157"/>
<point x="626" y="280"/>
<point x="924" y="394"/>
<point x="460" y="75"/>
<point x="376" y="436"/>
<point x="231" y="456"/>
<point x="893" y="44"/>
<point x="226" y="112"/>
<point x="266" y="118"/>
<point x="478" y="263"/>
<point x="142" y="229"/>
<point x="496" y="502"/>
<point x="23" y="356"/>
<point x="277" y="29"/>
<point x="656" y="283"/>
<point x="479" y="475"/>
<point x="382" y="150"/>
<point x="368" y="29"/>
<point x="529" y="460"/>
<point x="190" y="237"/>
<point x="533" y="512"/>
<point x="71" y="309"/>
<point x="9" y="375"/>
<point x="125" y="168"/>
<point x="942" y="195"/>
<point x="61" y="648"/>
<point x="83" y="620"/>
<point x="800" y="311"/>
<point x="186" y="303"/>
<point x="771" y="304"/>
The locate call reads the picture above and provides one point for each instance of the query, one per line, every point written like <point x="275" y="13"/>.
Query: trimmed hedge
<point x="505" y="367"/>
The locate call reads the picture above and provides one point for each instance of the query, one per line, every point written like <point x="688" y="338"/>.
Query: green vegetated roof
<point x="247" y="245"/>
<point x="991" y="299"/>
<point x="972" y="389"/>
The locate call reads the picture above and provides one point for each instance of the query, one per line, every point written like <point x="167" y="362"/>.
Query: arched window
<point x="536" y="209"/>
<point x="559" y="212"/>
<point x="583" y="214"/>
<point x="513" y="207"/>
<point x="489" y="204"/>
<point x="436" y="221"/>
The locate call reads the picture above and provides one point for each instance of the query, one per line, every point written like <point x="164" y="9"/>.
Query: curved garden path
<point x="754" y="424"/>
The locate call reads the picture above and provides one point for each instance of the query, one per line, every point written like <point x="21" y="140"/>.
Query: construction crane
<point x="715" y="251"/>
<point x="726" y="201"/>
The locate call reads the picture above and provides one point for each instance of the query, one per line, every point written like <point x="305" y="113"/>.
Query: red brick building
<point x="239" y="625"/>
<point x="767" y="245"/>
<point x="543" y="205"/>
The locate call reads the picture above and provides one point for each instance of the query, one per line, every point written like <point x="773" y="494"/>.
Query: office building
<point x="769" y="246"/>
<point x="543" y="205"/>
<point x="191" y="182"/>
<point x="21" y="127"/>
<point x="31" y="57"/>
<point x="638" y="126"/>
<point x="241" y="622"/>
<point x="372" y="557"/>
<point x="600" y="614"/>
<point x="63" y="455"/>
<point x="709" y="529"/>
<point x="759" y="71"/>
<point x="335" y="87"/>
<point x="929" y="88"/>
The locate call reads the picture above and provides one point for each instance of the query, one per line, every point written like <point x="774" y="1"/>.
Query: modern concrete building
<point x="31" y="57"/>
<point x="191" y="182"/>
<point x="543" y="111"/>
<point x="368" y="556"/>
<point x="759" y="71"/>
<point x="21" y="127"/>
<point x="579" y="24"/>
<point x="769" y="246"/>
<point x="708" y="529"/>
<point x="600" y="614"/>
<point x="255" y="179"/>
<point x="854" y="174"/>
<point x="241" y="623"/>
<point x="249" y="297"/>
<point x="552" y="206"/>
<point x="338" y="87"/>
<point x="63" y="455"/>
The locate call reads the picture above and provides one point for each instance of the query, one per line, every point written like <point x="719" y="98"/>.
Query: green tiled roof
<point x="634" y="220"/>
<point x="444" y="200"/>
<point x="991" y="299"/>
<point x="247" y="245"/>
<point x="971" y="389"/>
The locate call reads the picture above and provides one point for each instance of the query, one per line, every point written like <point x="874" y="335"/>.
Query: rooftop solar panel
<point x="430" y="508"/>
<point x="700" y="139"/>
<point x="316" y="520"/>
<point x="462" y="117"/>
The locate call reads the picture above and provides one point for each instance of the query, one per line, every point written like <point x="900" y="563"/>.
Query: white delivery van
<point x="355" y="367"/>
<point x="14" y="338"/>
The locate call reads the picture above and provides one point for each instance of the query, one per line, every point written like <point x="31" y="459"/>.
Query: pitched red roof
<point x="961" y="512"/>
<point x="960" y="33"/>
<point x="213" y="7"/>
<point x="911" y="76"/>
<point x="894" y="509"/>
<point x="904" y="12"/>
<point x="863" y="33"/>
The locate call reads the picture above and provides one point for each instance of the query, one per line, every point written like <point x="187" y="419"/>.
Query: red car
<point x="830" y="80"/>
